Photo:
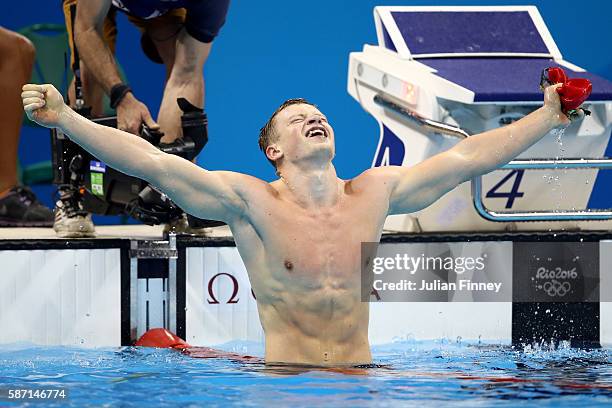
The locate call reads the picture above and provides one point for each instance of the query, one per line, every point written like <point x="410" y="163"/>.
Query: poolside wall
<point x="80" y="293"/>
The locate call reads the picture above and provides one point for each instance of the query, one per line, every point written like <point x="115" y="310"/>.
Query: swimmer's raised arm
<point x="205" y="194"/>
<point x="414" y="188"/>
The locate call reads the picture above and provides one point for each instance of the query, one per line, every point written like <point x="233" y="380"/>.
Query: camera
<point x="107" y="191"/>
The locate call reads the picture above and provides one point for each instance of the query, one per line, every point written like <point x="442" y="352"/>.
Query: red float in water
<point x="162" y="338"/>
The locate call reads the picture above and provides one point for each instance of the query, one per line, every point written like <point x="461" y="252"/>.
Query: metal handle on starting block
<point x="415" y="118"/>
<point x="541" y="164"/>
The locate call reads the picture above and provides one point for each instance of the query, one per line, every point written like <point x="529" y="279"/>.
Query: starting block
<point x="440" y="74"/>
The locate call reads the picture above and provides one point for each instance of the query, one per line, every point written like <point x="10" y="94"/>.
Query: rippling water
<point x="433" y="374"/>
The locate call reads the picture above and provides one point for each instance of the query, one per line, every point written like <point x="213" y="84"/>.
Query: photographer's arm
<point x="205" y="194"/>
<point x="88" y="37"/>
<point x="99" y="60"/>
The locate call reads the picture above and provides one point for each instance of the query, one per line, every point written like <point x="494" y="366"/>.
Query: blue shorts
<point x="202" y="18"/>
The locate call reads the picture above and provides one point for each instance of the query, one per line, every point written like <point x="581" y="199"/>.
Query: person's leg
<point x="201" y="22"/>
<point x="159" y="37"/>
<point x="158" y="42"/>
<point x="16" y="61"/>
<point x="163" y="33"/>
<point x="18" y="205"/>
<point x="189" y="86"/>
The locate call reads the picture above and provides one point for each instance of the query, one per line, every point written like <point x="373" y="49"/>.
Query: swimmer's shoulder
<point x="375" y="178"/>
<point x="255" y="194"/>
<point x="250" y="185"/>
<point x="249" y="188"/>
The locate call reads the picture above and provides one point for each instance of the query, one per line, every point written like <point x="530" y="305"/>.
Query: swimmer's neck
<point x="311" y="186"/>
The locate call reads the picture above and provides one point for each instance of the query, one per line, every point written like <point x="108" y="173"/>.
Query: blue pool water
<point x="439" y="373"/>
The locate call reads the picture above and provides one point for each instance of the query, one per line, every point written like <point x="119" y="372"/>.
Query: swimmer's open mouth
<point x="317" y="131"/>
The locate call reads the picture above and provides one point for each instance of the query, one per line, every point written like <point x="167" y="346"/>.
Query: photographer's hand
<point x="131" y="113"/>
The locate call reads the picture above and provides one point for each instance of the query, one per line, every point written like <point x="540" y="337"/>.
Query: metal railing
<point x="545" y="215"/>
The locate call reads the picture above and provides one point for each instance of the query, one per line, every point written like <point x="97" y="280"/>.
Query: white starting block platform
<point x="439" y="74"/>
<point x="109" y="290"/>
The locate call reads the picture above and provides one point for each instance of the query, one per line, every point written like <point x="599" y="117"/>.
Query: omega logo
<point x="211" y="293"/>
<point x="212" y="300"/>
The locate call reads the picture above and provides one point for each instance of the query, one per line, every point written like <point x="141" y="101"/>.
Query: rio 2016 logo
<point x="553" y="286"/>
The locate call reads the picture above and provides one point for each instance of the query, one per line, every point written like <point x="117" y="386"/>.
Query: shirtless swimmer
<point x="300" y="236"/>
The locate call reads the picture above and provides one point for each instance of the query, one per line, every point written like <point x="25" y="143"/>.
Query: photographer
<point x="178" y="34"/>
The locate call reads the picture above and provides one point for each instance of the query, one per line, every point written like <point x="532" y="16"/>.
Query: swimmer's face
<point x="303" y="134"/>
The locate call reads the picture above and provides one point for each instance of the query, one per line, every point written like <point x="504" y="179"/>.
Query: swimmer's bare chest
<point x="305" y="264"/>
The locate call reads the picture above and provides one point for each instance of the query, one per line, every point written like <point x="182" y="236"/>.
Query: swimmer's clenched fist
<point x="552" y="102"/>
<point x="43" y="104"/>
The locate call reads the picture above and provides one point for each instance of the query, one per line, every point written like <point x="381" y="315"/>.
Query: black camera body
<point x="107" y="191"/>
